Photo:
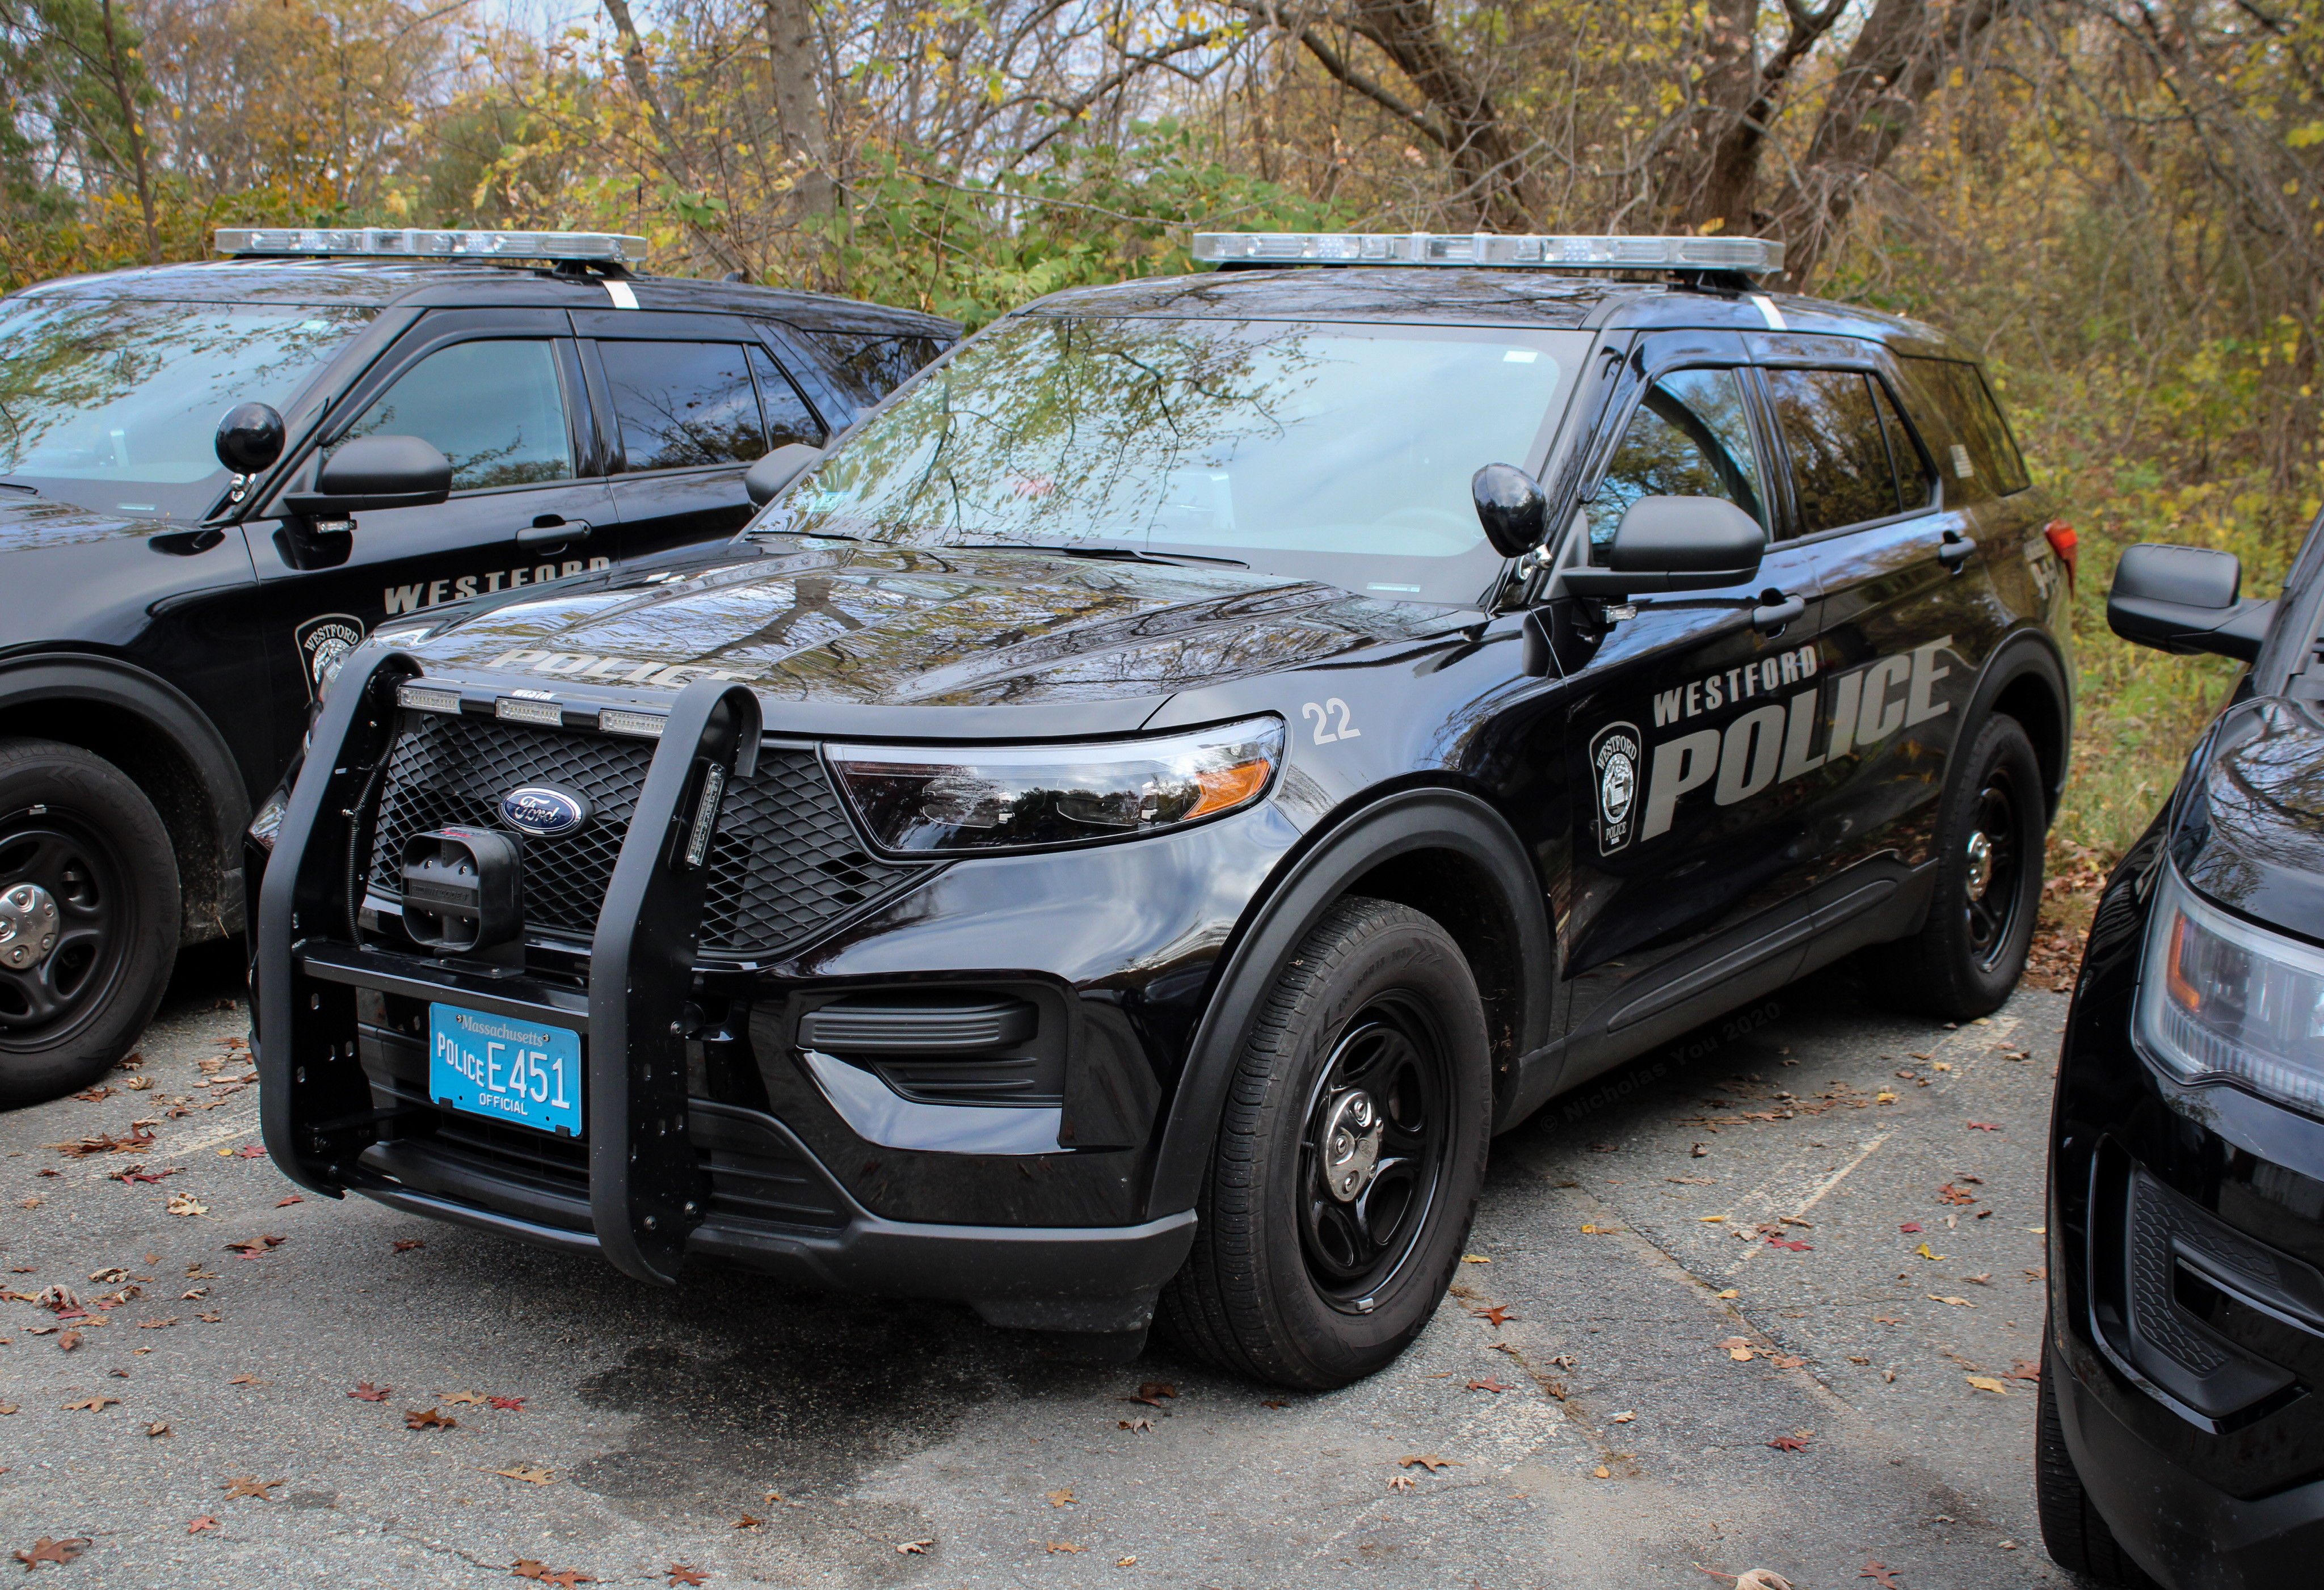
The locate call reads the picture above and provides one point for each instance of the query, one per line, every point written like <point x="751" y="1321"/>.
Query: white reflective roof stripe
<point x="422" y="243"/>
<point x="1537" y="252"/>
<point x="619" y="292"/>
<point x="1768" y="312"/>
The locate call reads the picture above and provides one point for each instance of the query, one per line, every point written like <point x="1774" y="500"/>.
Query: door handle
<point x="554" y="532"/>
<point x="1955" y="550"/>
<point x="1777" y="616"/>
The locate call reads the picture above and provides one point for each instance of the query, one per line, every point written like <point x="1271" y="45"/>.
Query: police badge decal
<point x="1614" y="770"/>
<point x="323" y="645"/>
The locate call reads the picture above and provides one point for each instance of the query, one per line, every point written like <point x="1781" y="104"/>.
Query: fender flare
<point x="172" y="715"/>
<point x="1288" y="909"/>
<point x="2028" y="652"/>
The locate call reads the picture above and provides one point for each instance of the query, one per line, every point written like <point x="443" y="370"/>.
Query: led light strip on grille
<point x="1756" y="256"/>
<point x="645" y="725"/>
<point x="422" y="698"/>
<point x="517" y="710"/>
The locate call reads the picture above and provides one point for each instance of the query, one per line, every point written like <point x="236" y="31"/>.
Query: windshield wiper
<point x="1110" y="554"/>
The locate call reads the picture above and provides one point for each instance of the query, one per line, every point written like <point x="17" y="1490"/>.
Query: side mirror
<point x="1675" y="544"/>
<point x="2184" y="599"/>
<point x="250" y="438"/>
<point x="375" y="471"/>
<point x="1511" y="507"/>
<point x="769" y="476"/>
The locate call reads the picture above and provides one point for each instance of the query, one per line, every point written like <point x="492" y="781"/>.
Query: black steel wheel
<point x="1349" y="1159"/>
<point x="88" y="916"/>
<point x="1991" y="823"/>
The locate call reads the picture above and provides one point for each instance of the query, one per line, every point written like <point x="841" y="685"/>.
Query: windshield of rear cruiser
<point x="114" y="403"/>
<point x="1328" y="452"/>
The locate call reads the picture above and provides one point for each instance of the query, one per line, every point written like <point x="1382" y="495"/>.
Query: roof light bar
<point x="424" y="244"/>
<point x="1751" y="255"/>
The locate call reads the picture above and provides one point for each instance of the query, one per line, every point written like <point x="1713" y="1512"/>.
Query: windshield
<point x="1335" y="452"/>
<point x="113" y="404"/>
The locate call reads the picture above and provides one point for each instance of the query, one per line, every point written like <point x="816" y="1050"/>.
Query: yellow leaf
<point x="1986" y="1383"/>
<point x="1924" y="1251"/>
<point x="1466" y="1259"/>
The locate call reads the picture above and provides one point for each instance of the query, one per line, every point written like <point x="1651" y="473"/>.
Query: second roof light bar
<point x="1753" y="255"/>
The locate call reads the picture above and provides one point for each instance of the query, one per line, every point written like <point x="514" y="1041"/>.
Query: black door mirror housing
<point x="768" y="477"/>
<point x="375" y="471"/>
<point x="1511" y="506"/>
<point x="1674" y="544"/>
<point x="2185" y="600"/>
<point x="250" y="438"/>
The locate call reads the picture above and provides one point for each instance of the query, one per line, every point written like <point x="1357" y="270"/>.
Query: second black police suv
<point x="1126" y="826"/>
<point x="180" y="450"/>
<point x="2181" y="1437"/>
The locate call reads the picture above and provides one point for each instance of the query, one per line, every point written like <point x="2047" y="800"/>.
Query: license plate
<point x="505" y="1069"/>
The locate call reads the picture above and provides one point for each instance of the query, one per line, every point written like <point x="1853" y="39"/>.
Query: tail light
<point x="2063" y="542"/>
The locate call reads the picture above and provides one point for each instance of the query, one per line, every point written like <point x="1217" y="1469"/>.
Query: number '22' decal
<point x="1320" y="714"/>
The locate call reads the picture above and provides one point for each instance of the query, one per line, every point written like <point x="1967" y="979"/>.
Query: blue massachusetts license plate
<point x="504" y="1067"/>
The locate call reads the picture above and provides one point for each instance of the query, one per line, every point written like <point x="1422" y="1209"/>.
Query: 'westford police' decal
<point x="615" y="670"/>
<point x="1771" y="743"/>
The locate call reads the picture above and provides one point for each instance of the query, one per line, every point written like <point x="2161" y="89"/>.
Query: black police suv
<point x="2181" y="1437"/>
<point x="172" y="590"/>
<point x="1132" y="821"/>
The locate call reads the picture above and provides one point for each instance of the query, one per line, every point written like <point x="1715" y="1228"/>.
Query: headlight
<point x="1013" y="796"/>
<point x="265" y="826"/>
<point x="2222" y="1001"/>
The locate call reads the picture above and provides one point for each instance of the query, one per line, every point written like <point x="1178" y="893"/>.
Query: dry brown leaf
<point x="251" y="1486"/>
<point x="432" y="1419"/>
<point x="531" y="1476"/>
<point x="1986" y="1383"/>
<point x="1063" y="1498"/>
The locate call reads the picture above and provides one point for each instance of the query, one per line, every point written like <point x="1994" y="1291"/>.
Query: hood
<point x="866" y="639"/>
<point x="31" y="523"/>
<point x="2252" y="836"/>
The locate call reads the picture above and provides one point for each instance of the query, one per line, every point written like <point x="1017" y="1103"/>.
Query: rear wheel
<point x="1990" y="826"/>
<point x="1349" y="1159"/>
<point x="2076" y="1537"/>
<point x="88" y="917"/>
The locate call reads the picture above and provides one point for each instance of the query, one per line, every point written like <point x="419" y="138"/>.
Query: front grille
<point x="784" y="865"/>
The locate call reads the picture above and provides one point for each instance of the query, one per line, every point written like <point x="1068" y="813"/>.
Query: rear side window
<point x="789" y="419"/>
<point x="867" y="367"/>
<point x="1977" y="446"/>
<point x="1688" y="437"/>
<point x="1915" y="486"/>
<point x="495" y="410"/>
<point x="684" y="405"/>
<point x="1841" y="470"/>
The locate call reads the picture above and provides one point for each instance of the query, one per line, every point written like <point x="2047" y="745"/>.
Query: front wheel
<point x="2077" y="1538"/>
<point x="1348" y="1160"/>
<point x="88" y="917"/>
<point x="1990" y="827"/>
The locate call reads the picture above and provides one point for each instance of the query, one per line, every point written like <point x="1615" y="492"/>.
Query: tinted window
<point x="868" y="368"/>
<point x="1688" y="437"/>
<point x="496" y="409"/>
<point x="789" y="419"/>
<point x="1915" y="484"/>
<point x="1841" y="472"/>
<point x="1977" y="446"/>
<point x="684" y="405"/>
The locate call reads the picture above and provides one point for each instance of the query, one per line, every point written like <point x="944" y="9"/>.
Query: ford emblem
<point x="544" y="812"/>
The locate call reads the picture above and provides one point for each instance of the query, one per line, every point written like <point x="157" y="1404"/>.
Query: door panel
<point x="1690" y="722"/>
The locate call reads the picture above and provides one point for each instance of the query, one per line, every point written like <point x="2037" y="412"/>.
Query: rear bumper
<point x="2185" y="1531"/>
<point x="1100" y="1280"/>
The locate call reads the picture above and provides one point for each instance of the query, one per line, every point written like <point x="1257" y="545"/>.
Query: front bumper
<point x="669" y="1168"/>
<point x="2186" y="1284"/>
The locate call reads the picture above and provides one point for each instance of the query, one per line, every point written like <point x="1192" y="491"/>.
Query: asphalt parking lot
<point x="1762" y="1300"/>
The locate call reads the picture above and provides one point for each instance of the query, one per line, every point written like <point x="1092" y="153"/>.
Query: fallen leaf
<point x="185" y="1203"/>
<point x="136" y="1175"/>
<point x="433" y="1418"/>
<point x="747" y="1522"/>
<point x="1732" y="1293"/>
<point x="909" y="1548"/>
<point x="1926" y="1253"/>
<point x="1431" y="1462"/>
<point x="1736" y="1349"/>
<point x="93" y="1405"/>
<point x="1884" y="1097"/>
<point x="1402" y="1481"/>
<point x="1495" y="1387"/>
<point x="1978" y="1126"/>
<point x="367" y="1392"/>
<point x="248" y="1379"/>
<point x="1475" y="1259"/>
<point x="1910" y="1228"/>
<point x="1986" y="1383"/>
<point x="204" y="1522"/>
<point x="531" y="1476"/>
<point x="1786" y="1361"/>
<point x="2026" y="1369"/>
<point x="476" y="1398"/>
<point x="1602" y="1473"/>
<point x="1140" y="1425"/>
<point x="1272" y="1403"/>
<point x="138" y="1084"/>
<point x="681" y="1574"/>
<point x="1711" y="1220"/>
<point x="1127" y="1562"/>
<point x="1698" y="1151"/>
<point x="1775" y="1240"/>
<point x="95" y="1094"/>
<point x="1059" y="1498"/>
<point x="46" y="1550"/>
<point x="250" y="1151"/>
<point x="1057" y="1545"/>
<point x="509" y="1404"/>
<point x="68" y="1341"/>
<point x="404" y="1244"/>
<point x="157" y="1428"/>
<point x="1625" y="1416"/>
<point x="287" y="1202"/>
<point x="1956" y="1303"/>
<point x="251" y="1486"/>
<point x="1985" y="1279"/>
<point x="1761" y="1580"/>
<point x="1494" y="1314"/>
<point x="1788" y="1444"/>
<point x="1886" y="1577"/>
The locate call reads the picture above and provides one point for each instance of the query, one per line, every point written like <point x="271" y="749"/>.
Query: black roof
<point x="1435" y="295"/>
<point x="474" y="284"/>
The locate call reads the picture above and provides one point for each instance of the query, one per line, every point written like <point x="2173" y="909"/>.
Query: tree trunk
<point x="119" y="71"/>
<point x="1495" y="185"/>
<point x="794" y="55"/>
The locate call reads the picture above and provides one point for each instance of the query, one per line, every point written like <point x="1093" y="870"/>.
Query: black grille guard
<point x="316" y="1102"/>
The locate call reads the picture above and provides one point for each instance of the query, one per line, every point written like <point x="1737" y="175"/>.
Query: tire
<point x="2075" y="1536"/>
<point x="1289" y="1281"/>
<point x="1971" y="952"/>
<point x="89" y="906"/>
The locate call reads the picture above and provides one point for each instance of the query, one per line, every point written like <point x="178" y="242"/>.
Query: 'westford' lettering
<point x="1770" y="743"/>
<point x="399" y="599"/>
